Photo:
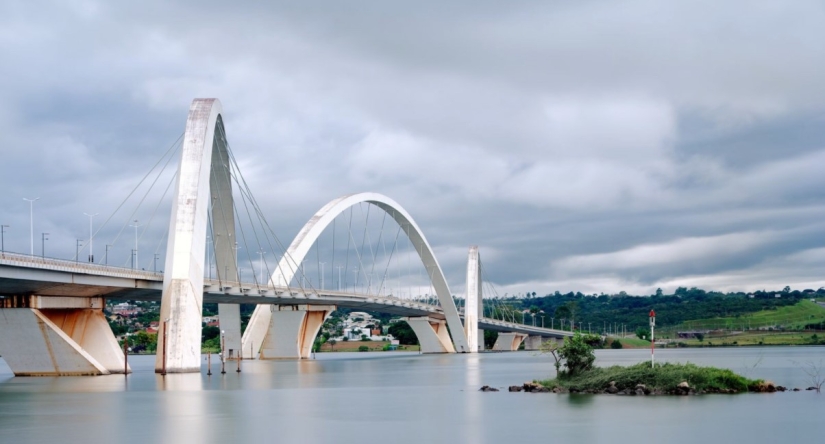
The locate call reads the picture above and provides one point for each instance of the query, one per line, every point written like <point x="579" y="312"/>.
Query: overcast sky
<point x="583" y="145"/>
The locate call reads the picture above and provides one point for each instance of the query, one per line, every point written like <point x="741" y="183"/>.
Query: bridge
<point x="51" y="310"/>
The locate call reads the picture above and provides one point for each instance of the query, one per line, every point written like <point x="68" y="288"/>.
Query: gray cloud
<point x="584" y="146"/>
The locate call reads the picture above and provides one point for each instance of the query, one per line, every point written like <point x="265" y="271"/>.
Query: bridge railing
<point x="252" y="288"/>
<point x="47" y="263"/>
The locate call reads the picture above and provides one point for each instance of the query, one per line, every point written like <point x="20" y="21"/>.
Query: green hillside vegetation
<point x="803" y="314"/>
<point x="673" y="311"/>
<point x="755" y="337"/>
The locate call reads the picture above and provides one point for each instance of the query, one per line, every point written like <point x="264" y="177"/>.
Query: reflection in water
<point x="579" y="400"/>
<point x="401" y="397"/>
<point x="472" y="408"/>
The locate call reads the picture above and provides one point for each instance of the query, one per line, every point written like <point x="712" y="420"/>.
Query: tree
<point x="643" y="333"/>
<point x="332" y="343"/>
<point x="209" y="332"/>
<point x="568" y="311"/>
<point x="577" y="354"/>
<point x="404" y="333"/>
<point x="490" y="338"/>
<point x="700" y="336"/>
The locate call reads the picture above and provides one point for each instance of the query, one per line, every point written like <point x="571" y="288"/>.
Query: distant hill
<point x="633" y="311"/>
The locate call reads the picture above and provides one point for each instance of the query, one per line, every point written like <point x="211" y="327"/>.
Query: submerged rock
<point x="487" y="388"/>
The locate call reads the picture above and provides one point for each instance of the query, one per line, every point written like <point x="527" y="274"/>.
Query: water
<point x="406" y="398"/>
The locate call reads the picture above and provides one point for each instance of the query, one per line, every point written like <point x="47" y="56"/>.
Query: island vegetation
<point x="576" y="373"/>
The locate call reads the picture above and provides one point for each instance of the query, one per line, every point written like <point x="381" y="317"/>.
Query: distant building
<point x="126" y="309"/>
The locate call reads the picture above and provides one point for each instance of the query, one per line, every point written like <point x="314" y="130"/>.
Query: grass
<point x="629" y="342"/>
<point x="757" y="338"/>
<point x="792" y="317"/>
<point x="664" y="379"/>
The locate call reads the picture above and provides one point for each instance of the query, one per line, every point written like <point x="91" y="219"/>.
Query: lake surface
<point x="407" y="398"/>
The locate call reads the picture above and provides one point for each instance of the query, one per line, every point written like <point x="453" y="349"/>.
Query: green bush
<point x="616" y="344"/>
<point x="577" y="354"/>
<point x="363" y="348"/>
<point x="665" y="377"/>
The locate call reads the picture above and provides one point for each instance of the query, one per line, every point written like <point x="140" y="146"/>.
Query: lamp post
<point x="322" y="274"/>
<point x="106" y="255"/>
<point x="136" y="225"/>
<point x="3" y="238"/>
<point x="43" y="240"/>
<point x="165" y="322"/>
<point x="223" y="358"/>
<point x="237" y="268"/>
<point x="355" y="282"/>
<point x="91" y="237"/>
<point x="31" y="222"/>
<point x="155" y="265"/>
<point x="77" y="249"/>
<point x="652" y="325"/>
<point x="339" y="276"/>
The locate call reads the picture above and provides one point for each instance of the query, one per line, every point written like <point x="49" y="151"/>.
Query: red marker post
<point x="652" y="324"/>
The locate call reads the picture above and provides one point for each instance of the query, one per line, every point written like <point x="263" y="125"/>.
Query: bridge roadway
<point x="31" y="275"/>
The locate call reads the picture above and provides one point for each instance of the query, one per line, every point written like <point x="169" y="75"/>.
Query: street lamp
<point x="77" y="249"/>
<point x="223" y="358"/>
<point x="135" y="263"/>
<point x="165" y="322"/>
<point x="91" y="237"/>
<point x="43" y="244"/>
<point x="31" y="221"/>
<point x="339" y="276"/>
<point x="322" y="274"/>
<point x="3" y="238"/>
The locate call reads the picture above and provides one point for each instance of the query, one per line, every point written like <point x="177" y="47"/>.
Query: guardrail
<point x="234" y="287"/>
<point x="46" y="263"/>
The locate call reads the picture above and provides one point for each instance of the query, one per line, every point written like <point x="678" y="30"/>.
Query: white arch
<point x="201" y="175"/>
<point x="257" y="329"/>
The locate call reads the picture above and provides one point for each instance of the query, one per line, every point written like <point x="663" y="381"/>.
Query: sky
<point x="583" y="145"/>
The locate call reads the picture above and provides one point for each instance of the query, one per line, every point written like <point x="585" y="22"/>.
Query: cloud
<point x="573" y="141"/>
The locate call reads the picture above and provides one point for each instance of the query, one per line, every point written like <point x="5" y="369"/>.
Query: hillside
<point x="600" y="312"/>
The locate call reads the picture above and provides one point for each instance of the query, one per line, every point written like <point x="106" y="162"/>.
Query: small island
<point x="577" y="374"/>
<point x="664" y="379"/>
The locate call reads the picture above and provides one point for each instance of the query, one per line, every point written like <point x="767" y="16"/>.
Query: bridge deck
<point x="24" y="274"/>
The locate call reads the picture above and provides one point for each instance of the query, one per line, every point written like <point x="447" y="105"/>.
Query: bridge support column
<point x="63" y="336"/>
<point x="534" y="342"/>
<point x="509" y="341"/>
<point x="292" y="330"/>
<point x="432" y="334"/>
<point x="473" y="308"/>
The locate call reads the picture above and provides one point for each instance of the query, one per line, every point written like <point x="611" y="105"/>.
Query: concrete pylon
<point x="432" y="334"/>
<point x="509" y="341"/>
<point x="292" y="331"/>
<point x="224" y="242"/>
<point x="179" y="339"/>
<point x="67" y="336"/>
<point x="534" y="343"/>
<point x="473" y="308"/>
